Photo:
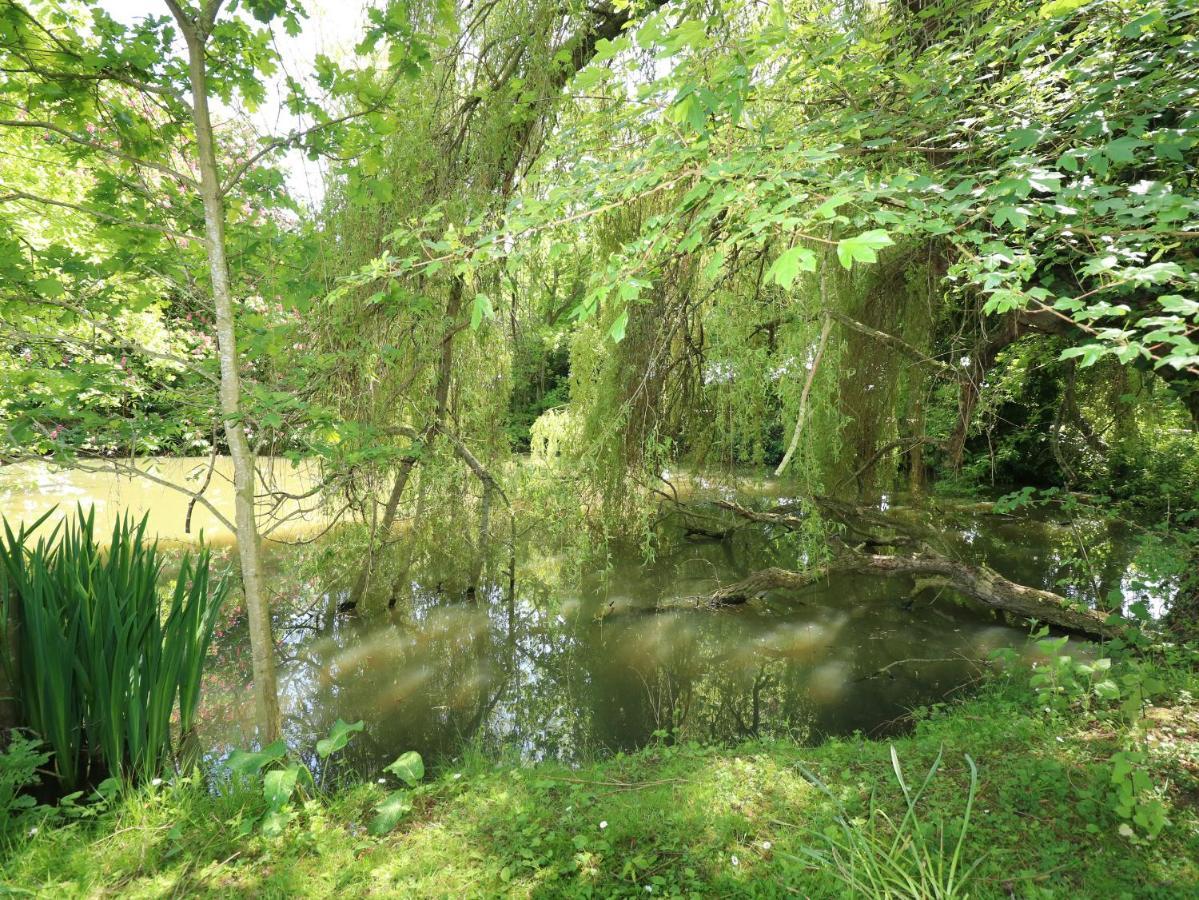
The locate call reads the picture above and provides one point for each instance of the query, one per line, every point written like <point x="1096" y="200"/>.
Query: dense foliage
<point x="991" y="203"/>
<point x="562" y="251"/>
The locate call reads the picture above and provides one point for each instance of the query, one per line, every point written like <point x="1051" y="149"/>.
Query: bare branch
<point x="119" y="468"/>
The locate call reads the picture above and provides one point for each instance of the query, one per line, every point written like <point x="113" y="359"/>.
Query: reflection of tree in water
<point x="1079" y="554"/>
<point x="572" y="663"/>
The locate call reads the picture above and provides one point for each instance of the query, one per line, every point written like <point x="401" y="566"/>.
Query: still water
<point x="554" y="659"/>
<point x="162" y="486"/>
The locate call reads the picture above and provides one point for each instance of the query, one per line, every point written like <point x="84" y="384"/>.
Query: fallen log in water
<point x="865" y="530"/>
<point x="976" y="582"/>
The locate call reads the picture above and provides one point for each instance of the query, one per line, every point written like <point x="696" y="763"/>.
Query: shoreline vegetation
<point x="670" y="820"/>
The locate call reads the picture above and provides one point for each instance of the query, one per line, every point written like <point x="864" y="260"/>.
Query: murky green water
<point x="567" y="662"/>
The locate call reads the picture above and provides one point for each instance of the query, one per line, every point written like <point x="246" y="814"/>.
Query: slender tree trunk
<point x="262" y="645"/>
<point x="916" y="452"/>
<point x="476" y="575"/>
<point x="802" y="415"/>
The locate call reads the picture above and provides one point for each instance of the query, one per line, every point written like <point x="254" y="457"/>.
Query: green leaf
<point x="481" y="309"/>
<point x="690" y="109"/>
<point x="389" y="812"/>
<point x="589" y="78"/>
<point x="862" y="248"/>
<point x="688" y="33"/>
<point x="789" y="264"/>
<point x="1123" y="149"/>
<point x="275" y="821"/>
<point x="246" y="762"/>
<point x="618" y="327"/>
<point x="1060" y="7"/>
<point x="278" y="785"/>
<point x="1107" y="690"/>
<point x="49" y="287"/>
<point x="409" y="768"/>
<point x="1016" y="216"/>
<point x="1175" y="303"/>
<point x="338" y="737"/>
<point x="1089" y="353"/>
<point x="1023" y="138"/>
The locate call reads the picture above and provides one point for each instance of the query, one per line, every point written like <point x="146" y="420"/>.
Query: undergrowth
<point x="679" y="820"/>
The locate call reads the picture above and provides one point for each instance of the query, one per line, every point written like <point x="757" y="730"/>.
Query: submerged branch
<point x="979" y="583"/>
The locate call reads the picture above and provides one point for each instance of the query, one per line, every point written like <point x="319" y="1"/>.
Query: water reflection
<point x="575" y="664"/>
<point x="162" y="486"/>
<point x="562" y="662"/>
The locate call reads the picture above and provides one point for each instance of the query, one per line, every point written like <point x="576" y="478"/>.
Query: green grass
<point x="682" y="820"/>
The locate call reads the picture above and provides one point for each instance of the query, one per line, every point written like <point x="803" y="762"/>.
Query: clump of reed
<point x="99" y="658"/>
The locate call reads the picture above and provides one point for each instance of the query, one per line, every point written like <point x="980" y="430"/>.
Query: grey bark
<point x="262" y="645"/>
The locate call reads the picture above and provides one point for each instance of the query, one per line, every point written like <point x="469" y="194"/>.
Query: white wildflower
<point x="766" y="845"/>
<point x="603" y="825"/>
<point x="736" y="862"/>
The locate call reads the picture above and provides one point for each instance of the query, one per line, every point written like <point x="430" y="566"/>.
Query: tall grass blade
<point x="102" y="662"/>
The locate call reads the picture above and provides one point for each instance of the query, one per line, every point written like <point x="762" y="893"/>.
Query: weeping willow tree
<point x="419" y="364"/>
<point x="757" y="192"/>
<point x="805" y="235"/>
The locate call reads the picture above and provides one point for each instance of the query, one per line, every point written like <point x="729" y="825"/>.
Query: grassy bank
<point x="671" y="820"/>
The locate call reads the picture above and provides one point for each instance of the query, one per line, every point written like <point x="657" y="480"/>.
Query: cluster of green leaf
<point x="282" y="779"/>
<point x="721" y="178"/>
<point x="110" y="343"/>
<point x="20" y="761"/>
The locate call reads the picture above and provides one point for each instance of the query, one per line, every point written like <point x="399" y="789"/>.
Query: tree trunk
<point x="977" y="582"/>
<point x="801" y="416"/>
<point x="916" y="450"/>
<point x="476" y="575"/>
<point x="262" y="645"/>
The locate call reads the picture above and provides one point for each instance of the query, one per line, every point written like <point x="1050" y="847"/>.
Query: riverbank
<point x="676" y="820"/>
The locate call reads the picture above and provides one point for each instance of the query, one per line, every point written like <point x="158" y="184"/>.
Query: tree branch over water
<point x="980" y="583"/>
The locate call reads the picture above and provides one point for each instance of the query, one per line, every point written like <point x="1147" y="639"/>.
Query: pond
<point x="553" y="659"/>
